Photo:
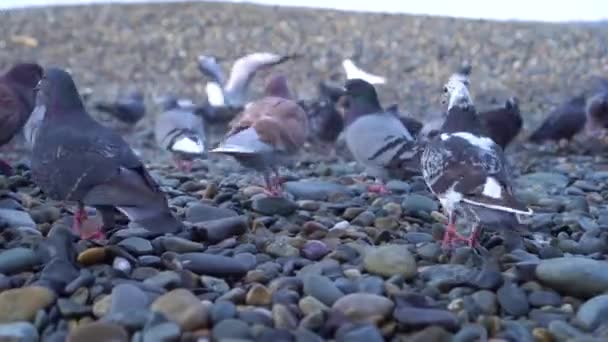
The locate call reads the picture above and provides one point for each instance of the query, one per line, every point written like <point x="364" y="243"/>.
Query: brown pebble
<point x="258" y="295"/>
<point x="91" y="256"/>
<point x="98" y="332"/>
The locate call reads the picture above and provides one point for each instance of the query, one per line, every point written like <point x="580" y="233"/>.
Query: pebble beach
<point x="329" y="261"/>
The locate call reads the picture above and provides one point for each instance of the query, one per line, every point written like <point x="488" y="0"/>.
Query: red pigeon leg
<point x="451" y="234"/>
<point x="473" y="237"/>
<point x="80" y="217"/>
<point x="379" y="187"/>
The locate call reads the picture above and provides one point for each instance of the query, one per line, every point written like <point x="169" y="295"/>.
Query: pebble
<point x="258" y="295"/>
<point x="390" y="260"/>
<point x="314" y="250"/>
<point x="321" y="288"/>
<point x="180" y="245"/>
<point x="167" y="331"/>
<point x="415" y="204"/>
<point x="183" y="308"/>
<point x="98" y="331"/>
<point x="137" y="245"/>
<point x="274" y="206"/>
<point x="221" y="310"/>
<point x="412" y="317"/>
<point x="486" y="301"/>
<point x="215" y="284"/>
<point x="91" y="256"/>
<point x="544" y="298"/>
<point x="364" y="307"/>
<point x="164" y="279"/>
<point x="283" y="318"/>
<point x="18" y="331"/>
<point x="202" y="212"/>
<point x="359" y="333"/>
<point x="17" y="260"/>
<point x="233" y="329"/>
<point x="215" y="231"/>
<point x="125" y="297"/>
<point x="309" y="305"/>
<point x="574" y="275"/>
<point x="398" y="187"/>
<point x="314" y="190"/>
<point x="23" y="303"/>
<point x="280" y="247"/>
<point x="213" y="265"/>
<point x="593" y="312"/>
<point x="513" y="299"/>
<point x="16" y="218"/>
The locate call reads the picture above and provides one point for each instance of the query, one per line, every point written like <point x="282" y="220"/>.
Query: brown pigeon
<point x="563" y="122"/>
<point x="267" y="133"/>
<point x="77" y="159"/>
<point x="17" y="96"/>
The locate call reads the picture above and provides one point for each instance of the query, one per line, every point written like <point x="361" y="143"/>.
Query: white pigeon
<point x="354" y="72"/>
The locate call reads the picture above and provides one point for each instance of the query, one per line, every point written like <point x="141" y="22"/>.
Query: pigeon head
<point x="25" y="74"/>
<point x="512" y="103"/>
<point x="597" y="111"/>
<point x="360" y="98"/>
<point x="456" y="92"/>
<point x="277" y="86"/>
<point x="59" y="89"/>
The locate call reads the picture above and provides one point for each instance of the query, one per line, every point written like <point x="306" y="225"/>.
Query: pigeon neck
<point x="462" y="119"/>
<point x="359" y="107"/>
<point x="62" y="104"/>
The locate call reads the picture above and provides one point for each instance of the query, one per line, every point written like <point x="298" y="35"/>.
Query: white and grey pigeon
<point x="233" y="92"/>
<point x="180" y="131"/>
<point x="354" y="72"/>
<point x="468" y="172"/>
<point x="377" y="138"/>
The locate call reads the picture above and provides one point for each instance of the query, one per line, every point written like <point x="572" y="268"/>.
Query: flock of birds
<point x="460" y="156"/>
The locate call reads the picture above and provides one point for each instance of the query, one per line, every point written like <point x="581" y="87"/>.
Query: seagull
<point x="467" y="170"/>
<point x="354" y="72"/>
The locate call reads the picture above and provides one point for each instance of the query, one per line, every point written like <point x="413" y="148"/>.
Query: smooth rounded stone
<point x="588" y="223"/>
<point x="17" y="260"/>
<point x="352" y="212"/>
<point x="98" y="331"/>
<point x="513" y="299"/>
<point x="398" y="187"/>
<point x="412" y="317"/>
<point x="231" y="329"/>
<point x="576" y="276"/>
<point x="445" y="277"/>
<point x="389" y="260"/>
<point x="364" y="307"/>
<point x="359" y="333"/>
<point x="280" y="247"/>
<point x="215" y="284"/>
<point x="149" y="261"/>
<point x="91" y="256"/>
<point x="141" y="273"/>
<point x="386" y="223"/>
<point x="163" y="332"/>
<point x="127" y="297"/>
<point x="202" y="212"/>
<point x="314" y="249"/>
<point x="309" y="205"/>
<point x="221" y="310"/>
<point x="131" y="232"/>
<point x="164" y="279"/>
<point x="256" y="316"/>
<point x="393" y="209"/>
<point x="313" y="189"/>
<point x="364" y="219"/>
<point x="137" y="245"/>
<point x="183" y="308"/>
<point x="257" y="295"/>
<point x="102" y="306"/>
<point x="486" y="301"/>
<point x="346" y="285"/>
<point x="414" y="204"/>
<point x="542" y="180"/>
<point x="515" y="331"/>
<point x="429" y="251"/>
<point x="418" y="237"/>
<point x="122" y="265"/>
<point x="544" y="298"/>
<point x="18" y="331"/>
<point x="45" y="213"/>
<point x="179" y="245"/>
<point x="305" y="335"/>
<point x="16" y="218"/>
<point x="563" y="331"/>
<point x="70" y="309"/>
<point x="274" y="206"/>
<point x="22" y="304"/>
<point x="550" y="252"/>
<point x="213" y="265"/>
<point x="283" y="318"/>
<point x="593" y="312"/>
<point x="372" y="284"/>
<point x="322" y="288"/>
<point x="310" y="304"/>
<point x="215" y="231"/>
<point x="543" y="317"/>
<point x="470" y="332"/>
<point x="246" y="259"/>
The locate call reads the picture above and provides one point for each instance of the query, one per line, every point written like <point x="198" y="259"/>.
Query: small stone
<point x="309" y="205"/>
<point x="164" y="279"/>
<point x="183" y="308"/>
<point x="352" y="212"/>
<point x="593" y="312"/>
<point x="91" y="256"/>
<point x="283" y="318"/>
<point x="359" y="333"/>
<point x="574" y="275"/>
<point x="314" y="250"/>
<point x="387" y="222"/>
<point x="126" y="297"/>
<point x="213" y="265"/>
<point x="221" y="310"/>
<point x="202" y="212"/>
<point x="364" y="307"/>
<point x="215" y="284"/>
<point x="16" y="218"/>
<point x="137" y="245"/>
<point x="398" y="187"/>
<point x="18" y="332"/>
<point x="17" y="260"/>
<point x="167" y="331"/>
<point x="364" y="219"/>
<point x="309" y="305"/>
<point x="45" y="214"/>
<point x="23" y="303"/>
<point x="414" y="203"/>
<point x="231" y="329"/>
<point x="215" y="231"/>
<point x="258" y="295"/>
<point x="314" y="190"/>
<point x="389" y="260"/>
<point x="544" y="298"/>
<point x="393" y="209"/>
<point x="322" y="288"/>
<point x="281" y="248"/>
<point x="273" y="206"/>
<point x="486" y="301"/>
<point x="513" y="299"/>
<point x="180" y="245"/>
<point x="102" y="306"/>
<point x="412" y="317"/>
<point x="70" y="309"/>
<point x="98" y="331"/>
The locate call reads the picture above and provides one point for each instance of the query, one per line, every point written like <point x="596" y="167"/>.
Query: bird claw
<point x="379" y="189"/>
<point x="451" y="235"/>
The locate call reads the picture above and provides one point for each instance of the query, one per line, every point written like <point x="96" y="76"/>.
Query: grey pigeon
<point x="129" y="108"/>
<point x="376" y="138"/>
<point x="563" y="122"/>
<point x="234" y="91"/>
<point x="467" y="170"/>
<point x="17" y="96"/>
<point x="325" y="122"/>
<point x="180" y="131"/>
<point x="77" y="159"/>
<point x="267" y="133"/>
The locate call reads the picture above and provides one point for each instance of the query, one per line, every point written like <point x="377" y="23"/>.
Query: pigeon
<point x="233" y="92"/>
<point x="17" y="97"/>
<point x="563" y="122"/>
<point x="128" y="108"/>
<point x="267" y="133"/>
<point x="76" y="159"/>
<point x="597" y="113"/>
<point x="376" y="138"/>
<point x="353" y="72"/>
<point x="504" y="123"/>
<point x="413" y="126"/>
<point x="324" y="119"/>
<point x="467" y="170"/>
<point x="180" y="131"/>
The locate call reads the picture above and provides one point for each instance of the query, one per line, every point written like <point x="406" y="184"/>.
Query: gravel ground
<point x="328" y="261"/>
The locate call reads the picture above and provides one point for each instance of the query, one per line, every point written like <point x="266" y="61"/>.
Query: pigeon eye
<point x="445" y="89"/>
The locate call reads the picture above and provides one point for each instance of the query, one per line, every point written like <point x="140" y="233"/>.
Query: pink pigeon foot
<point x="90" y="232"/>
<point x="451" y="235"/>
<point x="379" y="189"/>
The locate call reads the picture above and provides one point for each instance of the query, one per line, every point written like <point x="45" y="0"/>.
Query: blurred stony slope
<point x="108" y="46"/>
